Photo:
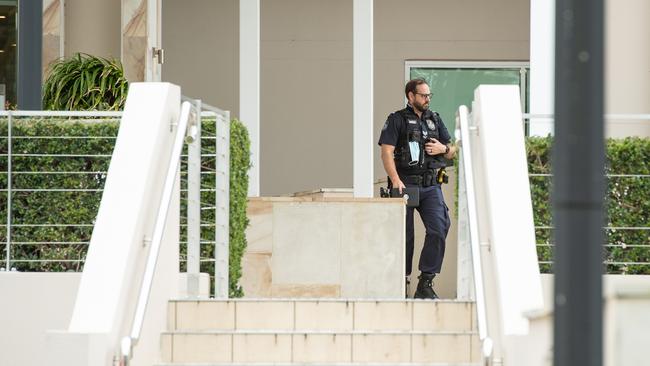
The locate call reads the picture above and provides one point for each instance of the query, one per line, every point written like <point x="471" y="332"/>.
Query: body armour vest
<point x="420" y="132"/>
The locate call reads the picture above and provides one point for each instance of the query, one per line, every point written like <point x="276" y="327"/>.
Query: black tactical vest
<point x="421" y="132"/>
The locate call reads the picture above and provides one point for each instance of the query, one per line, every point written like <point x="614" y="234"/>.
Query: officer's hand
<point x="434" y="147"/>
<point x="399" y="185"/>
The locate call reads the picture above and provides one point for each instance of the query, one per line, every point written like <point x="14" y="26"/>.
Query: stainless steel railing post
<point x="222" y="185"/>
<point x="8" y="250"/>
<point x="194" y="203"/>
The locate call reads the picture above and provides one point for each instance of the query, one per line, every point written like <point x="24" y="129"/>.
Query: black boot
<point x="425" y="287"/>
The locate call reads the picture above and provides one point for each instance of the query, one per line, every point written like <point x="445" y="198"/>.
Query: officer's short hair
<point x="412" y="85"/>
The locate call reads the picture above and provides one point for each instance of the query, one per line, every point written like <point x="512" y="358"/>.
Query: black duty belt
<point x="425" y="179"/>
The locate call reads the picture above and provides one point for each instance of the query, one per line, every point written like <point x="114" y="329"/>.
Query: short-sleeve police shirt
<point x="395" y="127"/>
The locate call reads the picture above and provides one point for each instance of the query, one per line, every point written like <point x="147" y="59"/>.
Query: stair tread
<point x="318" y="332"/>
<point x="319" y="299"/>
<point x="321" y="363"/>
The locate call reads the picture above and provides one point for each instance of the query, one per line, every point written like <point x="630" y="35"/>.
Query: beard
<point x="421" y="107"/>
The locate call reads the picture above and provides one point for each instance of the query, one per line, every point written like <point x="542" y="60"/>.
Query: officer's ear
<point x="410" y="96"/>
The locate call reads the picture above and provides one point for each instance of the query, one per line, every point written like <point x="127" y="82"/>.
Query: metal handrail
<point x="127" y="342"/>
<point x="477" y="266"/>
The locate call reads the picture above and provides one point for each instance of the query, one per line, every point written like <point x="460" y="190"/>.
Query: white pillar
<point x="249" y="84"/>
<point x="542" y="64"/>
<point x="153" y="65"/>
<point x="362" y="98"/>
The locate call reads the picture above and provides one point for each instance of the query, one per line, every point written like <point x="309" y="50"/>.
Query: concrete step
<point x="321" y="314"/>
<point x="338" y="347"/>
<point x="320" y="364"/>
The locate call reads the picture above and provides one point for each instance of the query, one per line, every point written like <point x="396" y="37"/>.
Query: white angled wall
<point x="507" y="212"/>
<point x="33" y="303"/>
<point x="110" y="283"/>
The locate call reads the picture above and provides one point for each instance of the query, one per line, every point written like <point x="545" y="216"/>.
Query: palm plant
<point x="85" y="82"/>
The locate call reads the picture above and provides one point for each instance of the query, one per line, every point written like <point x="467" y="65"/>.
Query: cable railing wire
<point x="21" y="235"/>
<point x="546" y="119"/>
<point x="622" y="266"/>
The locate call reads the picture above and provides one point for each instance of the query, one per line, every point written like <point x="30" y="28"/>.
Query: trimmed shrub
<point x="34" y="247"/>
<point x="239" y="164"/>
<point x="627" y="202"/>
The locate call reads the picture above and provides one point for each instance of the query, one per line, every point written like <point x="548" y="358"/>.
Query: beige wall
<point x="313" y="52"/>
<point x="93" y="27"/>
<point x="627" y="65"/>
<point x="467" y="30"/>
<point x="201" y="43"/>
<point x="306" y="104"/>
<point x="306" y="69"/>
<point x="306" y="75"/>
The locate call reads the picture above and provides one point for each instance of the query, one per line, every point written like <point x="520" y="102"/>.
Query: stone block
<point x="204" y="315"/>
<point x="474" y="317"/>
<point x="171" y="315"/>
<point x="267" y="348"/>
<point x="259" y="233"/>
<point x="306" y="243"/>
<point x="264" y="315"/>
<point x="372" y="250"/>
<point x="442" y="316"/>
<point x="326" y="315"/>
<point x="381" y="348"/>
<point x="475" y="349"/>
<point x="324" y="247"/>
<point x="202" y="348"/>
<point x="305" y="291"/>
<point x="166" y="347"/>
<point x="256" y="275"/>
<point x="442" y="348"/>
<point x="383" y="315"/>
<point x="321" y="348"/>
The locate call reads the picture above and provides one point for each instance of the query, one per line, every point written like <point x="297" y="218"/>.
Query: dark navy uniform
<point x="400" y="128"/>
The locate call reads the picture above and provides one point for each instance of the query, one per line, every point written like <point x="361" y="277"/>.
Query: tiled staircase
<point x="311" y="331"/>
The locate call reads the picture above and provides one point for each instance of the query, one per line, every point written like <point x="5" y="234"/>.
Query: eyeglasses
<point x="425" y="96"/>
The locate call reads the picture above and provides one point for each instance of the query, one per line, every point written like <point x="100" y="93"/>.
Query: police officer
<point x="413" y="142"/>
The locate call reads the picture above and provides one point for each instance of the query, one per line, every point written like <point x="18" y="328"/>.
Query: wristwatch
<point x="446" y="149"/>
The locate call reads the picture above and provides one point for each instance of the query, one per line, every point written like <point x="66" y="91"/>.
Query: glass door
<point x="453" y="83"/>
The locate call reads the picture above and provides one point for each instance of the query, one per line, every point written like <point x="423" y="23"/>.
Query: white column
<point x="154" y="40"/>
<point x="249" y="84"/>
<point x="362" y="98"/>
<point x="542" y="64"/>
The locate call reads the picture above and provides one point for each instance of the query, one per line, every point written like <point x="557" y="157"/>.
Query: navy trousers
<point x="435" y="217"/>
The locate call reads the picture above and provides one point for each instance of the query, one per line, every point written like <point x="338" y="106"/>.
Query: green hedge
<point x="34" y="243"/>
<point x="627" y="202"/>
